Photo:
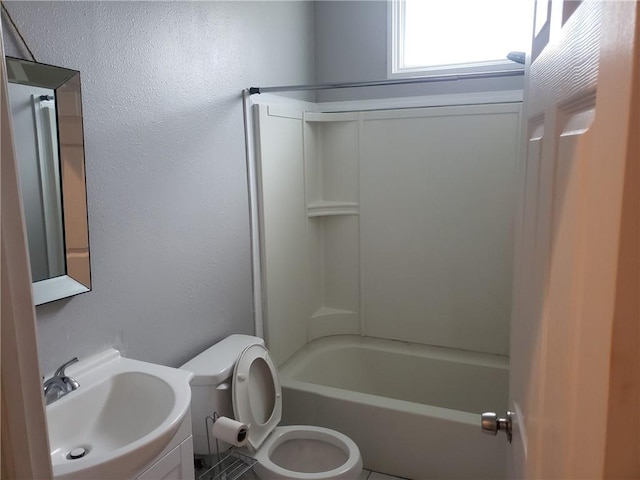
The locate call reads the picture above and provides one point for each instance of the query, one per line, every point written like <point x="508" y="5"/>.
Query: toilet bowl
<point x="306" y="452"/>
<point x="241" y="366"/>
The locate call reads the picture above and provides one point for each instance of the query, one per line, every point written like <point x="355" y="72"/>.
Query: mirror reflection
<point x="46" y="108"/>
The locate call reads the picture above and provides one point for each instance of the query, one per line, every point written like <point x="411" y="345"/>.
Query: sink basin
<point x="121" y="418"/>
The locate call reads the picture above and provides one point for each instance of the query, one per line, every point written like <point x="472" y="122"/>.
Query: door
<point x="25" y="446"/>
<point x="574" y="340"/>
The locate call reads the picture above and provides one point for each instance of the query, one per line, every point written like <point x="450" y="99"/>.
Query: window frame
<point x="395" y="34"/>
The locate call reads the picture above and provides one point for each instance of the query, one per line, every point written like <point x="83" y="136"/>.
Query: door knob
<point x="491" y="424"/>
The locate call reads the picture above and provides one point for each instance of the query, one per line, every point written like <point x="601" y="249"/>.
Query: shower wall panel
<point x="394" y="224"/>
<point x="437" y="196"/>
<point x="283" y="229"/>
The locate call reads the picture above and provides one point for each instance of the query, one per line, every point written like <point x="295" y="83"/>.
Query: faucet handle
<point x="61" y="368"/>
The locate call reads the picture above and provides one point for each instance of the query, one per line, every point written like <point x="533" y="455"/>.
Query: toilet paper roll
<point x="230" y="431"/>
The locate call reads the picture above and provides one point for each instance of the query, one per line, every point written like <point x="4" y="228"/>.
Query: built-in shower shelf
<point x="333" y="321"/>
<point x="325" y="208"/>
<point x="329" y="311"/>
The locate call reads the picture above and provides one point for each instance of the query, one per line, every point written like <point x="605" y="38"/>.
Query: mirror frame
<point x="68" y="101"/>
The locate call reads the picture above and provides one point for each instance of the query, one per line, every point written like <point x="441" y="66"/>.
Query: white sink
<point x="123" y="415"/>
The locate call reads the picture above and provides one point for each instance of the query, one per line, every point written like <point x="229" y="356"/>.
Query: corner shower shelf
<point x="324" y="208"/>
<point x="333" y="321"/>
<point x="330" y="311"/>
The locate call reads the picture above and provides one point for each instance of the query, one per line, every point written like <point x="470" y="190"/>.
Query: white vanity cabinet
<point x="175" y="462"/>
<point x="175" y="465"/>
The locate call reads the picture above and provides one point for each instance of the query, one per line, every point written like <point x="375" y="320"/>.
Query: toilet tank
<point x="211" y="386"/>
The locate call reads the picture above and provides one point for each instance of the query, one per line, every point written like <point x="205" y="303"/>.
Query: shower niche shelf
<point x="324" y="208"/>
<point x="331" y="153"/>
<point x="331" y="157"/>
<point x="334" y="275"/>
<point x="333" y="321"/>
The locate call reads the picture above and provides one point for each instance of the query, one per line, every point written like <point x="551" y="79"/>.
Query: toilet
<point x="237" y="378"/>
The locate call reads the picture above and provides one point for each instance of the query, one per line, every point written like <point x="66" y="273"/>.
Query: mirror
<point x="46" y="109"/>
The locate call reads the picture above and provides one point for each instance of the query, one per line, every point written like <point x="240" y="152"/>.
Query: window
<point x="456" y="35"/>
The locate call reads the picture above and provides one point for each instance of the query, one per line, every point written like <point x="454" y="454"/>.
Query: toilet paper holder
<point x="232" y="466"/>
<point x="213" y="419"/>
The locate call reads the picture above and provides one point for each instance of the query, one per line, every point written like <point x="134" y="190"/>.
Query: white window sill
<point x="458" y="69"/>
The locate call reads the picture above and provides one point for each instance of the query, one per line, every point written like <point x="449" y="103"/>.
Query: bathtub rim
<point x="314" y="347"/>
<point x="394" y="404"/>
<point x="299" y="360"/>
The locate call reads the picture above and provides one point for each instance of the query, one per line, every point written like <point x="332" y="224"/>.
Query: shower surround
<point x="389" y="231"/>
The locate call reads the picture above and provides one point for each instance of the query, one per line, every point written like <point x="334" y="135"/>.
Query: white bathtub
<point x="412" y="409"/>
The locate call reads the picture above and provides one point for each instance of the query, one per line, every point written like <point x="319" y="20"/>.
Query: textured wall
<point x="167" y="193"/>
<point x="351" y="46"/>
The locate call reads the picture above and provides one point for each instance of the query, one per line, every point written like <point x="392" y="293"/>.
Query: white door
<point x="574" y="340"/>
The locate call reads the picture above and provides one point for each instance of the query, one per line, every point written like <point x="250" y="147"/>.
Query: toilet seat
<point x="257" y="402"/>
<point x="348" y="469"/>
<point x="256" y="392"/>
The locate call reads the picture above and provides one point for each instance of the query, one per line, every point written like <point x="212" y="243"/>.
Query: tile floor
<point x="369" y="475"/>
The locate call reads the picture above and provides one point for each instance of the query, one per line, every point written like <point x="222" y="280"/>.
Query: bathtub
<point x="413" y="410"/>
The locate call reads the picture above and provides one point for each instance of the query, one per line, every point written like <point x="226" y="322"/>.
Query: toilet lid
<point x="257" y="396"/>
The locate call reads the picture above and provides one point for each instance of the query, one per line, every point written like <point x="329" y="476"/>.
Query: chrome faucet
<point x="60" y="384"/>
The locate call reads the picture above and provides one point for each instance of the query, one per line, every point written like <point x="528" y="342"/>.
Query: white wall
<point x="351" y="46"/>
<point x="166" y="176"/>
